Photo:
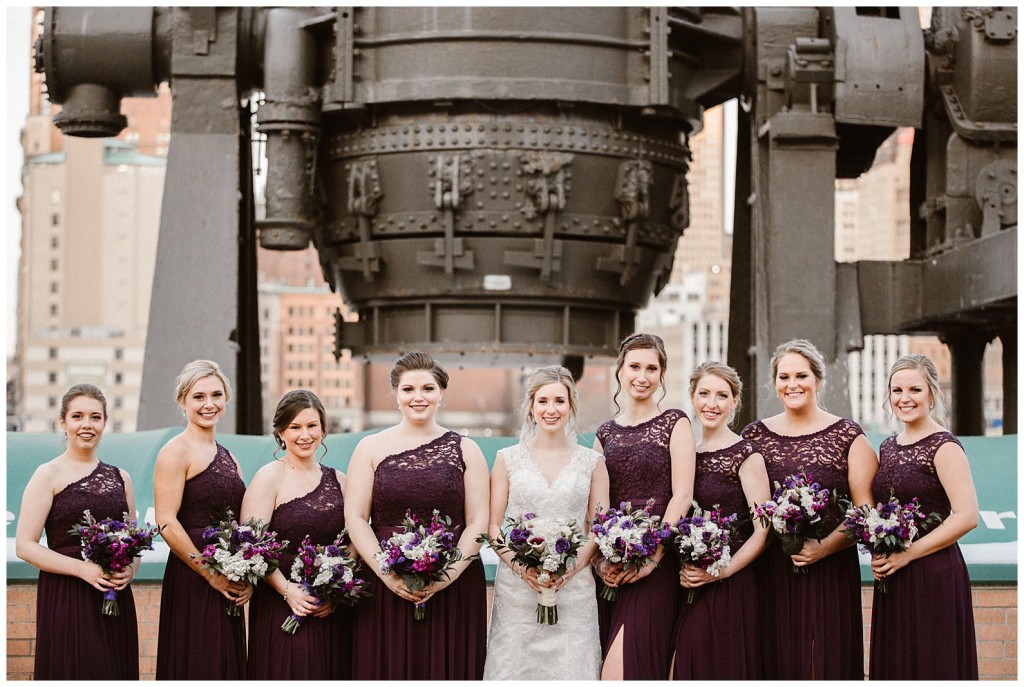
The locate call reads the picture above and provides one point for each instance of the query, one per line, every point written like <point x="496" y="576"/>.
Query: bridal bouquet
<point x="628" y="537"/>
<point x="888" y="528"/>
<point x="244" y="551"/>
<point x="549" y="545"/>
<point x="798" y="511"/>
<point x="112" y="545"/>
<point x="419" y="553"/>
<point x="703" y="540"/>
<point x="326" y="572"/>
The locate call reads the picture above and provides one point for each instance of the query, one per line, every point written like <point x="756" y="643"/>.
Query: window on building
<point x="53" y="353"/>
<point x="53" y="287"/>
<point x="53" y="378"/>
<point x="54" y="265"/>
<point x="52" y="401"/>
<point x="54" y="241"/>
<point x="118" y="378"/>
<point x="55" y="221"/>
<point x="53" y="308"/>
<point x="118" y="354"/>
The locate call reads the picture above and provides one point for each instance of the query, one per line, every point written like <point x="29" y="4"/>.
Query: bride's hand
<point x="531" y="577"/>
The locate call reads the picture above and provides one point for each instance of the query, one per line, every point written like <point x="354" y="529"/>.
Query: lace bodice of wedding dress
<point x="519" y="648"/>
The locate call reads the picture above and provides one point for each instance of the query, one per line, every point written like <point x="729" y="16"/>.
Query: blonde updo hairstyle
<point x="924" y="365"/>
<point x="192" y="373"/>
<point x="726" y="374"/>
<point x="541" y="377"/>
<point x="810" y="353"/>
<point x="636" y="342"/>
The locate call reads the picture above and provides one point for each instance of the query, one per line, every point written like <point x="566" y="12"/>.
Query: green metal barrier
<point x="990" y="550"/>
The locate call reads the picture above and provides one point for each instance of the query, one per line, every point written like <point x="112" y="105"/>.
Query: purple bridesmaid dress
<point x="198" y="640"/>
<point x="810" y="623"/>
<point x="74" y="641"/>
<point x="922" y="628"/>
<point x="450" y="642"/>
<point x="640" y="468"/>
<point x="716" y="636"/>
<point x="321" y="649"/>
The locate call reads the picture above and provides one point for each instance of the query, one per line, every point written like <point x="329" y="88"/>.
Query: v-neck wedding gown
<point x="518" y="647"/>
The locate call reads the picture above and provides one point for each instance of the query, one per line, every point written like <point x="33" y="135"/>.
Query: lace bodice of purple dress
<point x="101" y="492"/>
<point x="639" y="461"/>
<point x="823" y="455"/>
<point x="717" y="482"/>
<point x="209" y="494"/>
<point x="424" y="478"/>
<point x="319" y="514"/>
<point x="909" y="471"/>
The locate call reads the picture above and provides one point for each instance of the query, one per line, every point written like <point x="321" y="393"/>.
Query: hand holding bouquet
<point x="888" y="528"/>
<point x="240" y="552"/>
<point x="628" y="537"/>
<point x="419" y="554"/>
<point x="112" y="545"/>
<point x="798" y="511"/>
<point x="326" y="572"/>
<point x="548" y="545"/>
<point x="703" y="540"/>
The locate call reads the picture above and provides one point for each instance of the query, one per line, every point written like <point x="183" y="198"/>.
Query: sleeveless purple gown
<point x="450" y="642"/>
<point x="640" y="468"/>
<point x="922" y="628"/>
<point x="198" y="640"/>
<point x="321" y="649"/>
<point x="810" y="623"/>
<point x="716" y="636"/>
<point x="74" y="641"/>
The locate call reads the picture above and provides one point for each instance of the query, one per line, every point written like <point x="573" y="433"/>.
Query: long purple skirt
<point x="450" y="643"/>
<point x="922" y="628"/>
<point x="716" y="636"/>
<point x="74" y="641"/>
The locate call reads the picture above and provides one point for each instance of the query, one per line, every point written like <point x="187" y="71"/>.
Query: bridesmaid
<point x="73" y="640"/>
<point x="716" y="637"/>
<point x="419" y="465"/>
<point x="297" y="496"/>
<point x="649" y="454"/>
<point x="922" y="628"/>
<point x="810" y="624"/>
<point x="195" y="482"/>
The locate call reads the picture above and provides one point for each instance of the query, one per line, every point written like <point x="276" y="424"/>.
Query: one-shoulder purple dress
<point x="716" y="636"/>
<point x="922" y="628"/>
<point x="198" y="640"/>
<point x="450" y="642"/>
<point x="321" y="649"/>
<point x="810" y="623"/>
<point x="74" y="640"/>
<point x="640" y="468"/>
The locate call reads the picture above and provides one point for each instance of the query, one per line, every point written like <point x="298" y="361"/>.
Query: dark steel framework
<point x="511" y="182"/>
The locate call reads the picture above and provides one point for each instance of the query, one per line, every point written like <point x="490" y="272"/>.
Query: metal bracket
<point x="204" y="28"/>
<point x="364" y="193"/>
<point x="810" y="73"/>
<point x="633" y="194"/>
<point x="453" y="181"/>
<point x="995" y="189"/>
<point x="550" y="179"/>
<point x="970" y="129"/>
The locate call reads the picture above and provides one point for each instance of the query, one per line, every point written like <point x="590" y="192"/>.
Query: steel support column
<point x="967" y="350"/>
<point x="1008" y="337"/>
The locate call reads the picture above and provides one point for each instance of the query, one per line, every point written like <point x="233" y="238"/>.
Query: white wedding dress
<point x="518" y="647"/>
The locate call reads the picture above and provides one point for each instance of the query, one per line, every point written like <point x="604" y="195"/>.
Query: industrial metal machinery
<point x="510" y="183"/>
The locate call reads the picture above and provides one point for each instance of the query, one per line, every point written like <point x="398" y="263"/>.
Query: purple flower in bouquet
<point x="420" y="553"/>
<point x="627" y="536"/>
<point x="888" y="528"/>
<point x="800" y="509"/>
<point x="112" y="545"/>
<point x="703" y="539"/>
<point x="328" y="573"/>
<point x="246" y="551"/>
<point x="548" y="545"/>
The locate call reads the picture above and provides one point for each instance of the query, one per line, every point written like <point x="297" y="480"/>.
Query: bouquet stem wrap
<point x="547" y="607"/>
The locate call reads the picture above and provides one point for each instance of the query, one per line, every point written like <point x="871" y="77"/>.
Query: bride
<point x="547" y="473"/>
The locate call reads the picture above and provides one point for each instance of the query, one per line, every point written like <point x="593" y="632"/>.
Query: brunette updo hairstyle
<point x="192" y="373"/>
<point x="290" y="405"/>
<point x="724" y="372"/>
<point x="79" y="390"/>
<point x="634" y="342"/>
<point x="416" y="360"/>
<point x="924" y="365"/>
<point x="810" y="353"/>
<point x="542" y="377"/>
